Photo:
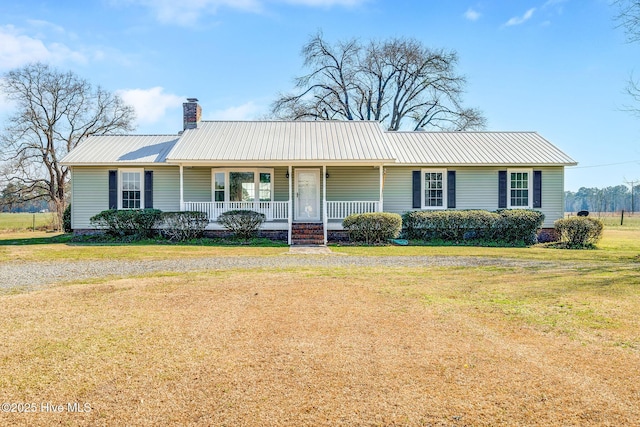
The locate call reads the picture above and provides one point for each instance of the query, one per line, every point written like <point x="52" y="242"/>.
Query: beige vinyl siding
<point x="280" y="184"/>
<point x="89" y="194"/>
<point x="398" y="195"/>
<point x="196" y="185"/>
<point x="476" y="188"/>
<point x="552" y="194"/>
<point x="166" y="188"/>
<point x="358" y="183"/>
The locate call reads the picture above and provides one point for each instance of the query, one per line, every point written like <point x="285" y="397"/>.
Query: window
<point x="265" y="187"/>
<point x="242" y="185"/>
<point x="434" y="188"/>
<point x="519" y="185"/>
<point x="218" y="186"/>
<point x="131" y="189"/>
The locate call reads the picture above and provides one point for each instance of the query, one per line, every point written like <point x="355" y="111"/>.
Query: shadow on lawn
<point x="59" y="238"/>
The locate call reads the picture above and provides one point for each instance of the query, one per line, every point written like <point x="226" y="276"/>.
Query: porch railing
<point x="272" y="210"/>
<point x="279" y="210"/>
<point x="341" y="210"/>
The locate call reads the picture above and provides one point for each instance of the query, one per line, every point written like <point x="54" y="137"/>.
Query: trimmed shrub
<point x="66" y="219"/>
<point x="181" y="226"/>
<point x="517" y="226"/>
<point x="127" y="222"/>
<point x="374" y="227"/>
<point x="449" y="225"/>
<point x="243" y="224"/>
<point x="579" y="232"/>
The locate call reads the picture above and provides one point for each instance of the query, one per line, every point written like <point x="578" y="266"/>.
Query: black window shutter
<point x="451" y="189"/>
<point x="417" y="200"/>
<point x="148" y="189"/>
<point x="502" y="189"/>
<point x="537" y="189"/>
<point x="113" y="189"/>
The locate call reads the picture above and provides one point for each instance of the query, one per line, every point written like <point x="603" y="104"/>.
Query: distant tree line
<point x="18" y="198"/>
<point x="609" y="199"/>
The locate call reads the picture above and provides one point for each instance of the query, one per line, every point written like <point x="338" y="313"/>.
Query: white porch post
<point x="380" y="208"/>
<point x="181" y="188"/>
<point x="290" y="207"/>
<point x="324" y="202"/>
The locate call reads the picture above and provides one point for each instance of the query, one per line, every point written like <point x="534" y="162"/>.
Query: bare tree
<point x="387" y="81"/>
<point x="54" y="112"/>
<point x="628" y="17"/>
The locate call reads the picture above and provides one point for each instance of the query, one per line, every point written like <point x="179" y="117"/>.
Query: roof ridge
<point x="290" y="121"/>
<point x="459" y="131"/>
<point x="137" y="134"/>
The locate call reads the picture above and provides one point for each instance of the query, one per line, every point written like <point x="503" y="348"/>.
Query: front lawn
<point x="330" y="346"/>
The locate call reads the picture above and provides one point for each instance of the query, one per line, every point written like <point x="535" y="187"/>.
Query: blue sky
<point x="558" y="67"/>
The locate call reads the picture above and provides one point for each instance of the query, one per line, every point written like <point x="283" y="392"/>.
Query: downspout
<point x="324" y="202"/>
<point x="380" y="204"/>
<point x="290" y="205"/>
<point x="181" y="188"/>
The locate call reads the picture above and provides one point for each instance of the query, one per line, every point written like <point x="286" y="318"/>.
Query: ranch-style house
<point x="309" y="175"/>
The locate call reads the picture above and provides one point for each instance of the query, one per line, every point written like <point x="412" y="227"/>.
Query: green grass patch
<point x="26" y="221"/>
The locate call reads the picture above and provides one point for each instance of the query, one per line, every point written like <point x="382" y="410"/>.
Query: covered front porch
<point x="319" y="194"/>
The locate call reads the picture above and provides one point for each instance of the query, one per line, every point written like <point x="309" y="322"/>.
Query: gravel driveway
<point x="34" y="275"/>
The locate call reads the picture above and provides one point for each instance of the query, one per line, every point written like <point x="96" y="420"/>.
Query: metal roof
<point x="343" y="142"/>
<point x="109" y="149"/>
<point x="475" y="148"/>
<point x="282" y="141"/>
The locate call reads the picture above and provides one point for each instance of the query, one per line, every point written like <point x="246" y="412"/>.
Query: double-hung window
<point x="519" y="184"/>
<point x="434" y="188"/>
<point x="242" y="185"/>
<point x="131" y="189"/>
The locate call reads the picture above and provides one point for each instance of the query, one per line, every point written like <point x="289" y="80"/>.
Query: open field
<point x="25" y="221"/>
<point x="512" y="344"/>
<point x="613" y="219"/>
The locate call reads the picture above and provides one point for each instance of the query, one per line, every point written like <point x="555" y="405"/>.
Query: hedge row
<point x="517" y="226"/>
<point x="178" y="226"/>
<point x="143" y="223"/>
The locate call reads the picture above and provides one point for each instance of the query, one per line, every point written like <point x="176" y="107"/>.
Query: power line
<point x="603" y="165"/>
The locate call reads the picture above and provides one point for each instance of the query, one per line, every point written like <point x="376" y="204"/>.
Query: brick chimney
<point x="191" y="113"/>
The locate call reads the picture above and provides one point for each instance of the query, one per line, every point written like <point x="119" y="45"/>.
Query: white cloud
<point x="517" y="20"/>
<point x="247" y="111"/>
<point x="17" y="49"/>
<point x="472" y="15"/>
<point x="46" y="25"/>
<point x="152" y="104"/>
<point x="189" y="12"/>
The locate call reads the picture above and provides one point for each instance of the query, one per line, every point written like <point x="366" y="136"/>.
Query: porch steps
<point x="307" y="234"/>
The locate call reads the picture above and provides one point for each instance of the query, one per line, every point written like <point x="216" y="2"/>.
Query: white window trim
<point x="120" y="182"/>
<point x="529" y="187"/>
<point x="256" y="177"/>
<point x="444" y="188"/>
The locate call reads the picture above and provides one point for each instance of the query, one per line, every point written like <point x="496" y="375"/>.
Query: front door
<point x="307" y="195"/>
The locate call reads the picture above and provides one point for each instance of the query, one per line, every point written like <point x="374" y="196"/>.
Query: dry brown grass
<point x="474" y="346"/>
